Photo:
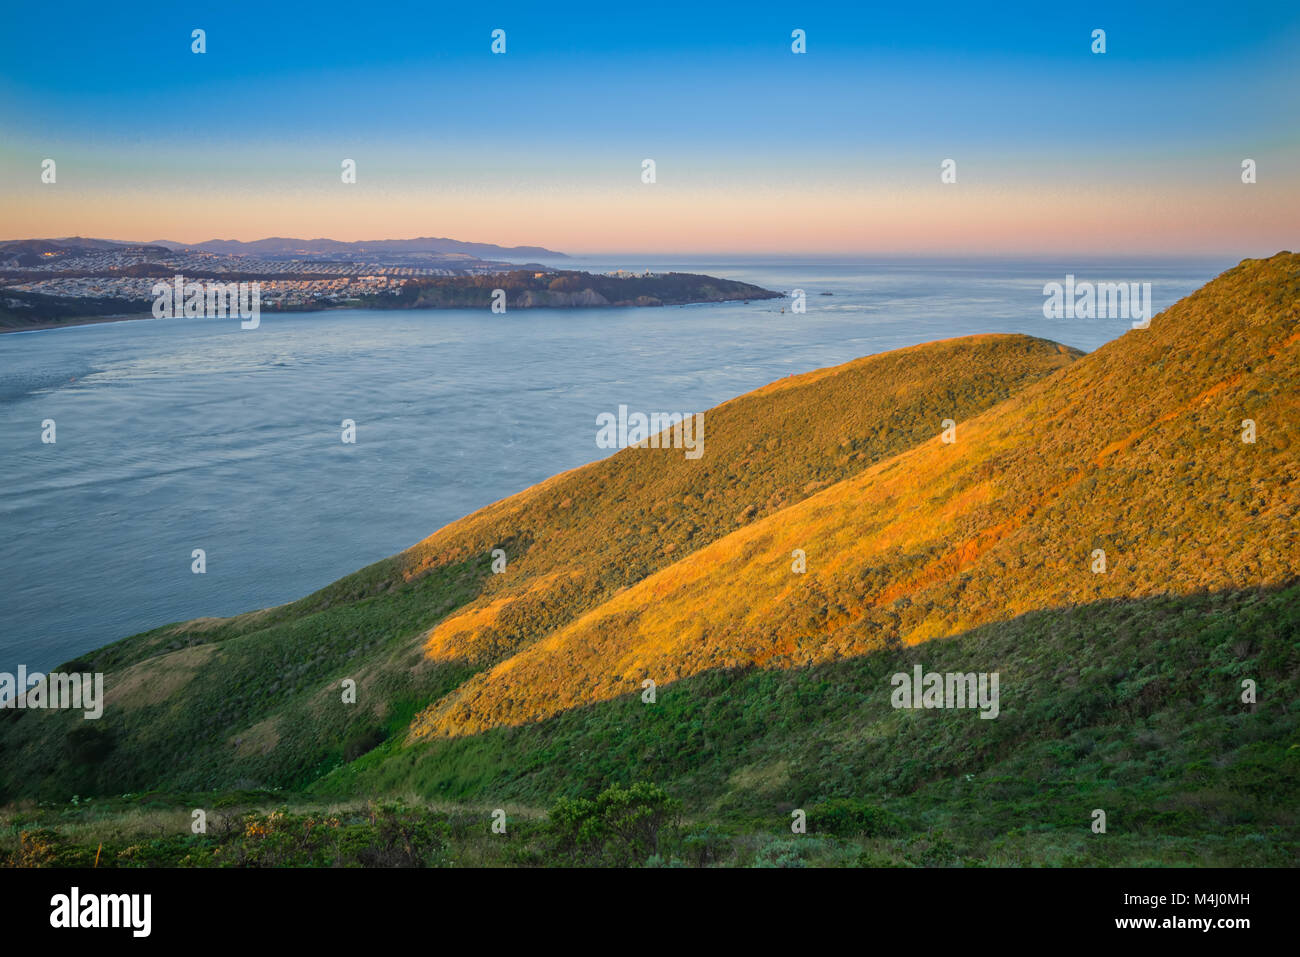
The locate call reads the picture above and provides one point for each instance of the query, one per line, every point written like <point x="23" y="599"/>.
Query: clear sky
<point x="757" y="149"/>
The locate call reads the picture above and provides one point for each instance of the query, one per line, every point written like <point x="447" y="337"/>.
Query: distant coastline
<point x="519" y="289"/>
<point x="72" y="321"/>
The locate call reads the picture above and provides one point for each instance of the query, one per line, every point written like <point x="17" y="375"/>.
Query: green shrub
<point x="621" y="827"/>
<point x="781" y="852"/>
<point x="848" y="817"/>
<point x="706" y="845"/>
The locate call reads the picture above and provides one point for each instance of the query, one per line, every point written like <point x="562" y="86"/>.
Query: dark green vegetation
<point x="637" y="825"/>
<point x="527" y="289"/>
<point x="1133" y="708"/>
<point x="270" y="681"/>
<point x="34" y="310"/>
<point x="1122" y="691"/>
<point x="21" y="310"/>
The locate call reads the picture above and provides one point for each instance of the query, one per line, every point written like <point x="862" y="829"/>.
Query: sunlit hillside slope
<point x="1123" y="476"/>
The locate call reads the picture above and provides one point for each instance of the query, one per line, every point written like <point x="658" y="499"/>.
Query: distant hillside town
<point x="67" y="281"/>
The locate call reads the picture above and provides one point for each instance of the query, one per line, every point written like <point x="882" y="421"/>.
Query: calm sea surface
<point x="174" y="435"/>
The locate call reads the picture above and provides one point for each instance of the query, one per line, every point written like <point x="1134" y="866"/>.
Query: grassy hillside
<point x="255" y="700"/>
<point x="1134" y="450"/>
<point x="1121" y="686"/>
<point x="579" y="538"/>
<point x="1130" y="706"/>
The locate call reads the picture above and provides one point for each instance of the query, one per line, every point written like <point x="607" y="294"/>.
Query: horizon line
<point x="717" y="253"/>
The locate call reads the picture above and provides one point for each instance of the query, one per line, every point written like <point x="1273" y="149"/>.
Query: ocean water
<point x="174" y="435"/>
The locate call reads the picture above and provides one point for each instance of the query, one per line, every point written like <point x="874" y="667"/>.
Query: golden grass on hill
<point x="575" y="540"/>
<point x="1135" y="450"/>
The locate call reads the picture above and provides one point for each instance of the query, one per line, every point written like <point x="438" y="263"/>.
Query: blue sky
<point x="713" y="92"/>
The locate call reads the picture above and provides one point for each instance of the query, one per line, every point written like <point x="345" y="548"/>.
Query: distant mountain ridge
<point x="280" y="246"/>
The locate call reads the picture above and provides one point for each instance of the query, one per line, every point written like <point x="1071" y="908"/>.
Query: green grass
<point x="1128" y="706"/>
<point x="285" y="667"/>
<point x="1132" y="707"/>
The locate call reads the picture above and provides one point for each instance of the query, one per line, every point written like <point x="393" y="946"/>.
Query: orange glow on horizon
<point x="660" y="219"/>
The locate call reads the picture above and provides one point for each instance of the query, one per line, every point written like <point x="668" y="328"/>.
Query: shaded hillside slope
<point x="255" y="699"/>
<point x="1135" y="450"/>
<point x="1129" y="705"/>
